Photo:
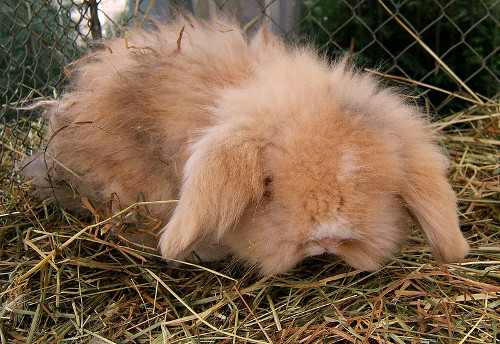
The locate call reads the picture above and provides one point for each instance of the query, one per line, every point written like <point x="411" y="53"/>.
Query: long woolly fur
<point x="274" y="154"/>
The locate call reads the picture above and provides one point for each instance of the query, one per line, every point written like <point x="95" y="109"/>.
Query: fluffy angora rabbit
<point x="274" y="154"/>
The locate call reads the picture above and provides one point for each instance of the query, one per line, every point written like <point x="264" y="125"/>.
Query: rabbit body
<point x="273" y="153"/>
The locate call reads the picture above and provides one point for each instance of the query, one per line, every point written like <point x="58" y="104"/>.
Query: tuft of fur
<point x="273" y="153"/>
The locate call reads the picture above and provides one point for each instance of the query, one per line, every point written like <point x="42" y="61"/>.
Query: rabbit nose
<point x="327" y="243"/>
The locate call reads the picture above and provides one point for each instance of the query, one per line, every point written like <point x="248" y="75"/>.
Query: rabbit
<point x="274" y="153"/>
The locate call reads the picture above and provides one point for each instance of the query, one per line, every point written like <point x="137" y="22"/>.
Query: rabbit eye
<point x="268" y="180"/>
<point x="267" y="190"/>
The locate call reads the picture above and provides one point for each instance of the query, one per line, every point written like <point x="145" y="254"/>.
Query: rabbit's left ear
<point x="431" y="199"/>
<point x="221" y="176"/>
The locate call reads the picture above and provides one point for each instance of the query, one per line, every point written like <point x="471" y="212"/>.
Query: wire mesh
<point x="451" y="45"/>
<point x="39" y="38"/>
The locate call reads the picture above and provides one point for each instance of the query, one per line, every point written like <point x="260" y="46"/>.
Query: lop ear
<point x="221" y="177"/>
<point x="431" y="199"/>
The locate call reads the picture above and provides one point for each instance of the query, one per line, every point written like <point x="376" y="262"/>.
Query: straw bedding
<point x="75" y="279"/>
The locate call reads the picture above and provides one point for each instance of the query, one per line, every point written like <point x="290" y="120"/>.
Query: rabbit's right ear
<point x="221" y="176"/>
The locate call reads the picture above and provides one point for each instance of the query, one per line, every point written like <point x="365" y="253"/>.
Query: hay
<point x="70" y="280"/>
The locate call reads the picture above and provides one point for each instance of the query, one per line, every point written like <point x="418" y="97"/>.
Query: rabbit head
<point x="317" y="160"/>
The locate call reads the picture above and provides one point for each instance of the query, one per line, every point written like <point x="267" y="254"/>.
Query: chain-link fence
<point x="448" y="50"/>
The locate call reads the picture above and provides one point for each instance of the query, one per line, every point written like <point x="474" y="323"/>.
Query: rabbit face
<point x="320" y="196"/>
<point x="323" y="183"/>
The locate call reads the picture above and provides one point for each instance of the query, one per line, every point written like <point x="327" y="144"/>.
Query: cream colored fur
<point x="263" y="145"/>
